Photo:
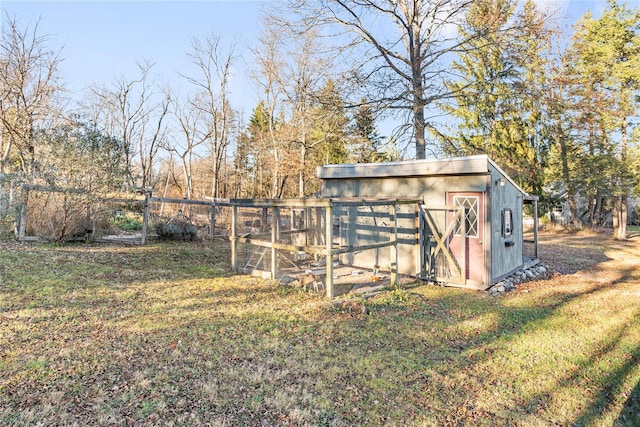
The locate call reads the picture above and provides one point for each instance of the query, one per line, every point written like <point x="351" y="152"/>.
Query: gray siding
<point x="505" y="259"/>
<point x="433" y="190"/>
<point x="431" y="180"/>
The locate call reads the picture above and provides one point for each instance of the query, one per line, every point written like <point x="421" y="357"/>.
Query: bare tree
<point x="214" y="64"/>
<point x="301" y="73"/>
<point x="269" y="60"/>
<point x="132" y="113"/>
<point x="400" y="50"/>
<point x="195" y="131"/>
<point x="28" y="87"/>
<point x="293" y="71"/>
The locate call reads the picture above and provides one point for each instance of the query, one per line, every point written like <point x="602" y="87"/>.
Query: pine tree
<point x="367" y="142"/>
<point x="257" y="152"/>
<point x="328" y="139"/>
<point x="497" y="109"/>
<point x="605" y="61"/>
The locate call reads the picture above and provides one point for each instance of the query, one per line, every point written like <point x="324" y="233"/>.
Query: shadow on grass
<point x="603" y="388"/>
<point x="514" y="321"/>
<point x="570" y="255"/>
<point x="610" y="389"/>
<point x="243" y="354"/>
<point x="630" y="414"/>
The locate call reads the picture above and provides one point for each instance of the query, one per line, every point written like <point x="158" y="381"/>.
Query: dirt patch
<point x="567" y="253"/>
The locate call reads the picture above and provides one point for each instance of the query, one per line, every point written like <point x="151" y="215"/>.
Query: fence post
<point x="233" y="238"/>
<point x="421" y="257"/>
<point x="275" y="236"/>
<point x="90" y="224"/>
<point x="212" y="219"/>
<point x="393" y="255"/>
<point x="535" y="229"/>
<point x="22" y="221"/>
<point x="145" y="217"/>
<point x="328" y="221"/>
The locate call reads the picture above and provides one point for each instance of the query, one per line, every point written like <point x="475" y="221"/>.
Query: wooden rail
<point x="327" y="250"/>
<point x="324" y="209"/>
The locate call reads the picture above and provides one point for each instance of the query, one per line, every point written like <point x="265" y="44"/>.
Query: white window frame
<point x="477" y="219"/>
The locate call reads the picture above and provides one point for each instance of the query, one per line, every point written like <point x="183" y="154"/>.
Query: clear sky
<point x="104" y="39"/>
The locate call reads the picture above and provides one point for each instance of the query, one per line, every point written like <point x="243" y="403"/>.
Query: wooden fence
<point x="312" y="221"/>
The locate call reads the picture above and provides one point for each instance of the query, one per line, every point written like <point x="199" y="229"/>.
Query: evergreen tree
<point x="481" y="104"/>
<point x="605" y="61"/>
<point x="498" y="108"/>
<point x="329" y="137"/>
<point x="256" y="152"/>
<point x="367" y="142"/>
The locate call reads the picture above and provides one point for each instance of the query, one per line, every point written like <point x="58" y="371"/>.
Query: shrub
<point x="179" y="230"/>
<point x="57" y="216"/>
<point x="127" y="221"/>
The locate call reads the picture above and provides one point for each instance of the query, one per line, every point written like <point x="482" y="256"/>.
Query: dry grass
<point x="165" y="335"/>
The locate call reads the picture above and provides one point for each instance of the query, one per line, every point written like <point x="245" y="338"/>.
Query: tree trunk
<point x="214" y="180"/>
<point x="419" y="129"/>
<point x="4" y="158"/>
<point x="598" y="214"/>
<point x="187" y="179"/>
<point x="303" y="159"/>
<point x="567" y="180"/>
<point x="620" y="209"/>
<point x="619" y="217"/>
<point x="276" y="174"/>
<point x="418" y="95"/>
<point x="571" y="200"/>
<point x="591" y="210"/>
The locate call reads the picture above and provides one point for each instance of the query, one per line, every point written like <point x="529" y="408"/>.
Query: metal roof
<point x="468" y="165"/>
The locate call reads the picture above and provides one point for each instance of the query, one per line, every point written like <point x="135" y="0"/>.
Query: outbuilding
<point x="468" y="232"/>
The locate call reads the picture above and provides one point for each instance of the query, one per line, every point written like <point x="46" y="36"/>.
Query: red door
<point x="474" y="219"/>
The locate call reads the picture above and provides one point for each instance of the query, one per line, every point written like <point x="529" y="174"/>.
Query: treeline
<point x="558" y="112"/>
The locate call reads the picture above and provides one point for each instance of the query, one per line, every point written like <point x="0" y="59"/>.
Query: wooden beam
<point x="328" y="222"/>
<point x="393" y="253"/>
<point x="181" y="201"/>
<point x="234" y="238"/>
<point x="269" y="203"/>
<point x="275" y="227"/>
<point x="45" y="188"/>
<point x="145" y="218"/>
<point x="315" y="249"/>
<point x="319" y="202"/>
<point x="282" y="233"/>
<point x="318" y="250"/>
<point x="346" y="201"/>
<point x="351" y="248"/>
<point x="119" y="200"/>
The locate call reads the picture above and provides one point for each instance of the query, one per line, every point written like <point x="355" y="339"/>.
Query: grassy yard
<point x="166" y="335"/>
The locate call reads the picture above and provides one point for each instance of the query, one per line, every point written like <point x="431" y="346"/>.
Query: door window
<point x="470" y="203"/>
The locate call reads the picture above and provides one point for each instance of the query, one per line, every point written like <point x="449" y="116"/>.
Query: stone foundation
<point x="509" y="283"/>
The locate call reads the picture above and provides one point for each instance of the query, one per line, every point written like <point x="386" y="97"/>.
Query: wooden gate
<point x="440" y="262"/>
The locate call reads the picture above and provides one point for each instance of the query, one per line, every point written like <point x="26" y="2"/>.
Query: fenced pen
<point x="326" y="245"/>
<point x="329" y="245"/>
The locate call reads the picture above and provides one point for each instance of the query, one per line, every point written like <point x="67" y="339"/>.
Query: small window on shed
<point x="507" y="222"/>
<point x="470" y="203"/>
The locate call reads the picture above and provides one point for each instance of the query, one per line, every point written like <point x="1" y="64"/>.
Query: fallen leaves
<point x="163" y="334"/>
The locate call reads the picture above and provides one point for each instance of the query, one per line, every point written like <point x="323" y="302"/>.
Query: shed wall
<point x="504" y="258"/>
<point x="433" y="190"/>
